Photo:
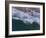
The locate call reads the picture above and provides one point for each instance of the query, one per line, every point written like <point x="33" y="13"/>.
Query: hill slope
<point x="18" y="25"/>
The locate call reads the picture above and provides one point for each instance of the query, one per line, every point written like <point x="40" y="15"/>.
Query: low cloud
<point x="25" y="17"/>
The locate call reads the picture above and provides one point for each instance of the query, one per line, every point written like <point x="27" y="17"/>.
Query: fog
<point x="26" y="17"/>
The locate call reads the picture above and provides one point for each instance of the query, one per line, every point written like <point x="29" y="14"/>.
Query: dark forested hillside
<point x="18" y="25"/>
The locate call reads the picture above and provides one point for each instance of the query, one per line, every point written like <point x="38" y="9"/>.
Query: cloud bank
<point x="25" y="17"/>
